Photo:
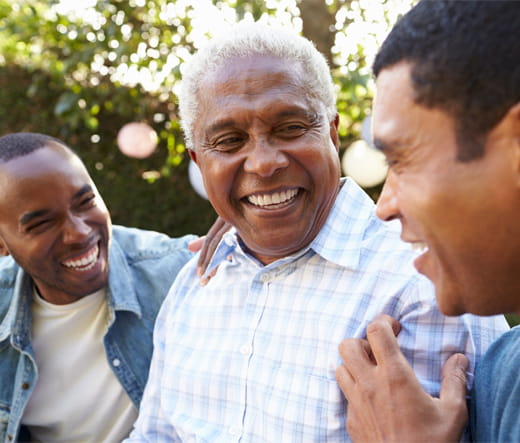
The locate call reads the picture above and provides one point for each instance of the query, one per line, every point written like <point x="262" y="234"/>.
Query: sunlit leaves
<point x="124" y="56"/>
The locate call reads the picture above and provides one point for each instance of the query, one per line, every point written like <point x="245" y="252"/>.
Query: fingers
<point x="205" y="280"/>
<point x="359" y="356"/>
<point x="357" y="363"/>
<point x="210" y="243"/>
<point x="453" y="387"/>
<point x="344" y="379"/>
<point x="196" y="245"/>
<point x="381" y="336"/>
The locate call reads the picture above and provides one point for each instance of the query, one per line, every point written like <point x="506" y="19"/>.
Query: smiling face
<point x="268" y="158"/>
<point x="54" y="223"/>
<point x="466" y="213"/>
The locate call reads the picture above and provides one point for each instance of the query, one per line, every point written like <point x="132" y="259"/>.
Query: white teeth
<point x="419" y="246"/>
<point x="85" y="263"/>
<point x="272" y="199"/>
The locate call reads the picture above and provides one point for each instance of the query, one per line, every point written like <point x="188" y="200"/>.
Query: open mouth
<point x="85" y="261"/>
<point x="419" y="247"/>
<point x="273" y="200"/>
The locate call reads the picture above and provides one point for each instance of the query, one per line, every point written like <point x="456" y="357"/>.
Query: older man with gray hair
<point x="252" y="355"/>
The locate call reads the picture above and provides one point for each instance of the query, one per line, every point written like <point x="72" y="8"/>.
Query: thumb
<point x="453" y="387"/>
<point x="195" y="245"/>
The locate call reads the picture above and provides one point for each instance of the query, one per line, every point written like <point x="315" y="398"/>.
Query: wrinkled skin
<point x="268" y="157"/>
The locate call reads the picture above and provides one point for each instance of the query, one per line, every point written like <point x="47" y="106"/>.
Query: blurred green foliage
<point x="513" y="319"/>
<point x="80" y="70"/>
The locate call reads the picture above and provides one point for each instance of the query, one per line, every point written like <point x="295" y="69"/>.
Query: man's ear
<point x="193" y="155"/>
<point x="514" y="115"/>
<point x="3" y="248"/>
<point x="334" y="131"/>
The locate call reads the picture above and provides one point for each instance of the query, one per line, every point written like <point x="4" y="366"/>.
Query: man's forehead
<point x="54" y="162"/>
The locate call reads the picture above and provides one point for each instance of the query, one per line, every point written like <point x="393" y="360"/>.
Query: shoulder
<point x="8" y="272"/>
<point x="503" y="354"/>
<point x="149" y="249"/>
<point x="138" y="243"/>
<point x="496" y="394"/>
<point x="145" y="262"/>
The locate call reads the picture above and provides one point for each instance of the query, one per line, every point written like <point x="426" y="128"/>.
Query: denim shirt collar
<point x="121" y="297"/>
<point x="17" y="321"/>
<point x="121" y="291"/>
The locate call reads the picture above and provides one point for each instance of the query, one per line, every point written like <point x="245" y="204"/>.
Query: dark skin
<point x="433" y="196"/>
<point x="379" y="378"/>
<point x="207" y="246"/>
<point x="269" y="163"/>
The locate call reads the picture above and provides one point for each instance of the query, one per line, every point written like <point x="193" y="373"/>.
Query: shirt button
<point x="25" y="385"/>
<point x="265" y="278"/>
<point x="116" y="362"/>
<point x="234" y="430"/>
<point x="245" y="350"/>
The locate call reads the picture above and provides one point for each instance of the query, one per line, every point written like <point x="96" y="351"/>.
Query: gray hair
<point x="245" y="39"/>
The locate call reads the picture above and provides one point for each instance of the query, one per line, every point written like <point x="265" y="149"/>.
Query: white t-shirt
<point x="77" y="397"/>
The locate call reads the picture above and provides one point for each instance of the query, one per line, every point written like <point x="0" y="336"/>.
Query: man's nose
<point x="386" y="207"/>
<point x="265" y="158"/>
<point x="75" y="230"/>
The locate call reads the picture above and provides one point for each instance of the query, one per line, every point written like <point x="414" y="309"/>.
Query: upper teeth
<point x="272" y="199"/>
<point x="86" y="262"/>
<point x="419" y="246"/>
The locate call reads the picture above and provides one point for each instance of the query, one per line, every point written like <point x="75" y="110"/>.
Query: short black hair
<point x="465" y="60"/>
<point x="19" y="144"/>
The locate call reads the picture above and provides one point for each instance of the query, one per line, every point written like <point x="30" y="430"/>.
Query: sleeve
<point x="495" y="400"/>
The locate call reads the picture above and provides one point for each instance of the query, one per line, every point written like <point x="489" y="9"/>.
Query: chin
<point x="448" y="303"/>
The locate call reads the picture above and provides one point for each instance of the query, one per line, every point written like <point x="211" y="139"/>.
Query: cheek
<point x="218" y="173"/>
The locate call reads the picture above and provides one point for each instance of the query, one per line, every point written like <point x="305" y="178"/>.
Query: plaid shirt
<point x="252" y="356"/>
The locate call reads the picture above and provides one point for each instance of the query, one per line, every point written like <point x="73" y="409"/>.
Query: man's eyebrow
<point x="30" y="216"/>
<point x="230" y="122"/>
<point x="84" y="190"/>
<point x="223" y="124"/>
<point x="297" y="112"/>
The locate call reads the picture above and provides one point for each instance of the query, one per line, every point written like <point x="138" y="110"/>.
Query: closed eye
<point x="291" y="130"/>
<point x="227" y="143"/>
<point x="38" y="225"/>
<point x="88" y="201"/>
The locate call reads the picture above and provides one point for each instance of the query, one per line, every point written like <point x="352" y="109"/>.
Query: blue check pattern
<point x="251" y="357"/>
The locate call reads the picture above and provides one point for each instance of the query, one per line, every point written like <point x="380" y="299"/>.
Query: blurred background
<point x="101" y="75"/>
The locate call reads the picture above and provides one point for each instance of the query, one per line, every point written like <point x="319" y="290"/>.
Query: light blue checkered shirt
<point x="252" y="356"/>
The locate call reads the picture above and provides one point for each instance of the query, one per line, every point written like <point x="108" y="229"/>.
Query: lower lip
<point x="419" y="262"/>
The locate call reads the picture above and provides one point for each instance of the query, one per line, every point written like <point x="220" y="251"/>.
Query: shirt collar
<point x="121" y="293"/>
<point x="341" y="237"/>
<point x="340" y="240"/>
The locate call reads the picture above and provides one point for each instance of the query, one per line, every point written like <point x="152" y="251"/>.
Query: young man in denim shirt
<point x="78" y="299"/>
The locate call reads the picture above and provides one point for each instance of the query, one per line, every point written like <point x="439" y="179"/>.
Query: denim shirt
<point x="142" y="267"/>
